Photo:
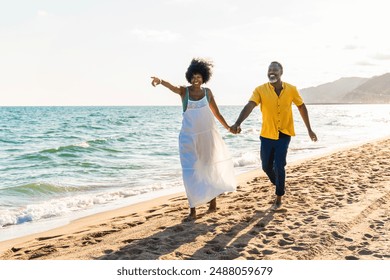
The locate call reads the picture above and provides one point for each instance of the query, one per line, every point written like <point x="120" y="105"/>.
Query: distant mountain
<point x="333" y="92"/>
<point x="375" y="90"/>
<point x="350" y="90"/>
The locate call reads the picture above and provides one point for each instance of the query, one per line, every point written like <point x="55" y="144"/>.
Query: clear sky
<point x="79" y="52"/>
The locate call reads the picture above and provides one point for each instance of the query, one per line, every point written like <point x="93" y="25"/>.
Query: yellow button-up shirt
<point x="276" y="110"/>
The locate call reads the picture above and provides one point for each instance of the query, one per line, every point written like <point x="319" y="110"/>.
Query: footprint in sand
<point x="218" y="248"/>
<point x="212" y="220"/>
<point x="101" y="233"/>
<point x="42" y="251"/>
<point x="323" y="217"/>
<point x="367" y="236"/>
<point x="133" y="224"/>
<point x="47" y="237"/>
<point x="80" y="231"/>
<point x="174" y="210"/>
<point x="260" y="224"/>
<point x="365" y="252"/>
<point x="336" y="235"/>
<point x="231" y="207"/>
<point x="14" y="250"/>
<point x="135" y="251"/>
<point x="178" y="228"/>
<point x="351" y="258"/>
<point x="270" y="234"/>
<point x="254" y="251"/>
<point x="313" y="212"/>
<point x="351" y="248"/>
<point x="297" y="248"/>
<point x="248" y="206"/>
<point x="88" y="242"/>
<point x="268" y="252"/>
<point x="308" y="220"/>
<point x="153" y="216"/>
<point x="284" y="242"/>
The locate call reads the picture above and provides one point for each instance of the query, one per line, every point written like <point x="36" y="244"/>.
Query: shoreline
<point x="48" y="225"/>
<point x="148" y="218"/>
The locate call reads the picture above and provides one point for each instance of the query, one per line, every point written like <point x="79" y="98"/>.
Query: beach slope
<point x="336" y="207"/>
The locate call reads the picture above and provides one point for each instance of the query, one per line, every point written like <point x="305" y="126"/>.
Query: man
<point x="275" y="99"/>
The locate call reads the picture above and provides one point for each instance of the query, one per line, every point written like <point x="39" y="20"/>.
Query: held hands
<point x="235" y="129"/>
<point x="156" y="81"/>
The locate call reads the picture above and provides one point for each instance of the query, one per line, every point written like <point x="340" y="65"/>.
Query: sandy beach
<point x="336" y="207"/>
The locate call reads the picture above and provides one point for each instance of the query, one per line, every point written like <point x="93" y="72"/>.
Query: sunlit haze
<point x="104" y="52"/>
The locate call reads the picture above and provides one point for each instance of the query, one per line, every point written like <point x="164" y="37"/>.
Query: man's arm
<point x="246" y="111"/>
<point x="305" y="117"/>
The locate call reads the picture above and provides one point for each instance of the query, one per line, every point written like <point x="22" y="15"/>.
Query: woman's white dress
<point x="207" y="166"/>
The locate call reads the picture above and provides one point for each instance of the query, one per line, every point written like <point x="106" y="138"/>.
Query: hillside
<point x="333" y="92"/>
<point x="375" y="90"/>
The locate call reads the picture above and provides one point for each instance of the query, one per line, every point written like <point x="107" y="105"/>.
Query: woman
<point x="206" y="163"/>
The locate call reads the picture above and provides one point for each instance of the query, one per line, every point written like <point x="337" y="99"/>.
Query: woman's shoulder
<point x="183" y="90"/>
<point x="208" y="90"/>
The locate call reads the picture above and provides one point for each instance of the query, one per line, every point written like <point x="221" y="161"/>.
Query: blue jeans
<point x="273" y="155"/>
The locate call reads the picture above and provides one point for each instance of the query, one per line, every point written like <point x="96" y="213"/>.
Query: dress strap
<point x="205" y="93"/>
<point x="185" y="100"/>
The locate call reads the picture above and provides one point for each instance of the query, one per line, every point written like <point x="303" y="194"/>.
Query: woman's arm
<point x="157" y="81"/>
<point x="215" y="110"/>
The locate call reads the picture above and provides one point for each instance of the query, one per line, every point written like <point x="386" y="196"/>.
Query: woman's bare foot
<point x="191" y="216"/>
<point x="213" y="205"/>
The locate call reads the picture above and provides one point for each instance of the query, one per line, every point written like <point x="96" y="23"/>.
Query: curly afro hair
<point x="200" y="66"/>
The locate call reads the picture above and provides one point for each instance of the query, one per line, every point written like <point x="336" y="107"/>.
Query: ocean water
<point x="61" y="163"/>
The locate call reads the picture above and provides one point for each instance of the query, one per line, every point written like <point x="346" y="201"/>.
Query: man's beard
<point x="272" y="79"/>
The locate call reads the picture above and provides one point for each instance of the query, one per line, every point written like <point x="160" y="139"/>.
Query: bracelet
<point x="161" y="81"/>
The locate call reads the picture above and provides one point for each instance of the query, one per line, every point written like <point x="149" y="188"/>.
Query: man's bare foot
<point x="213" y="205"/>
<point x="277" y="203"/>
<point x="276" y="206"/>
<point x="191" y="216"/>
